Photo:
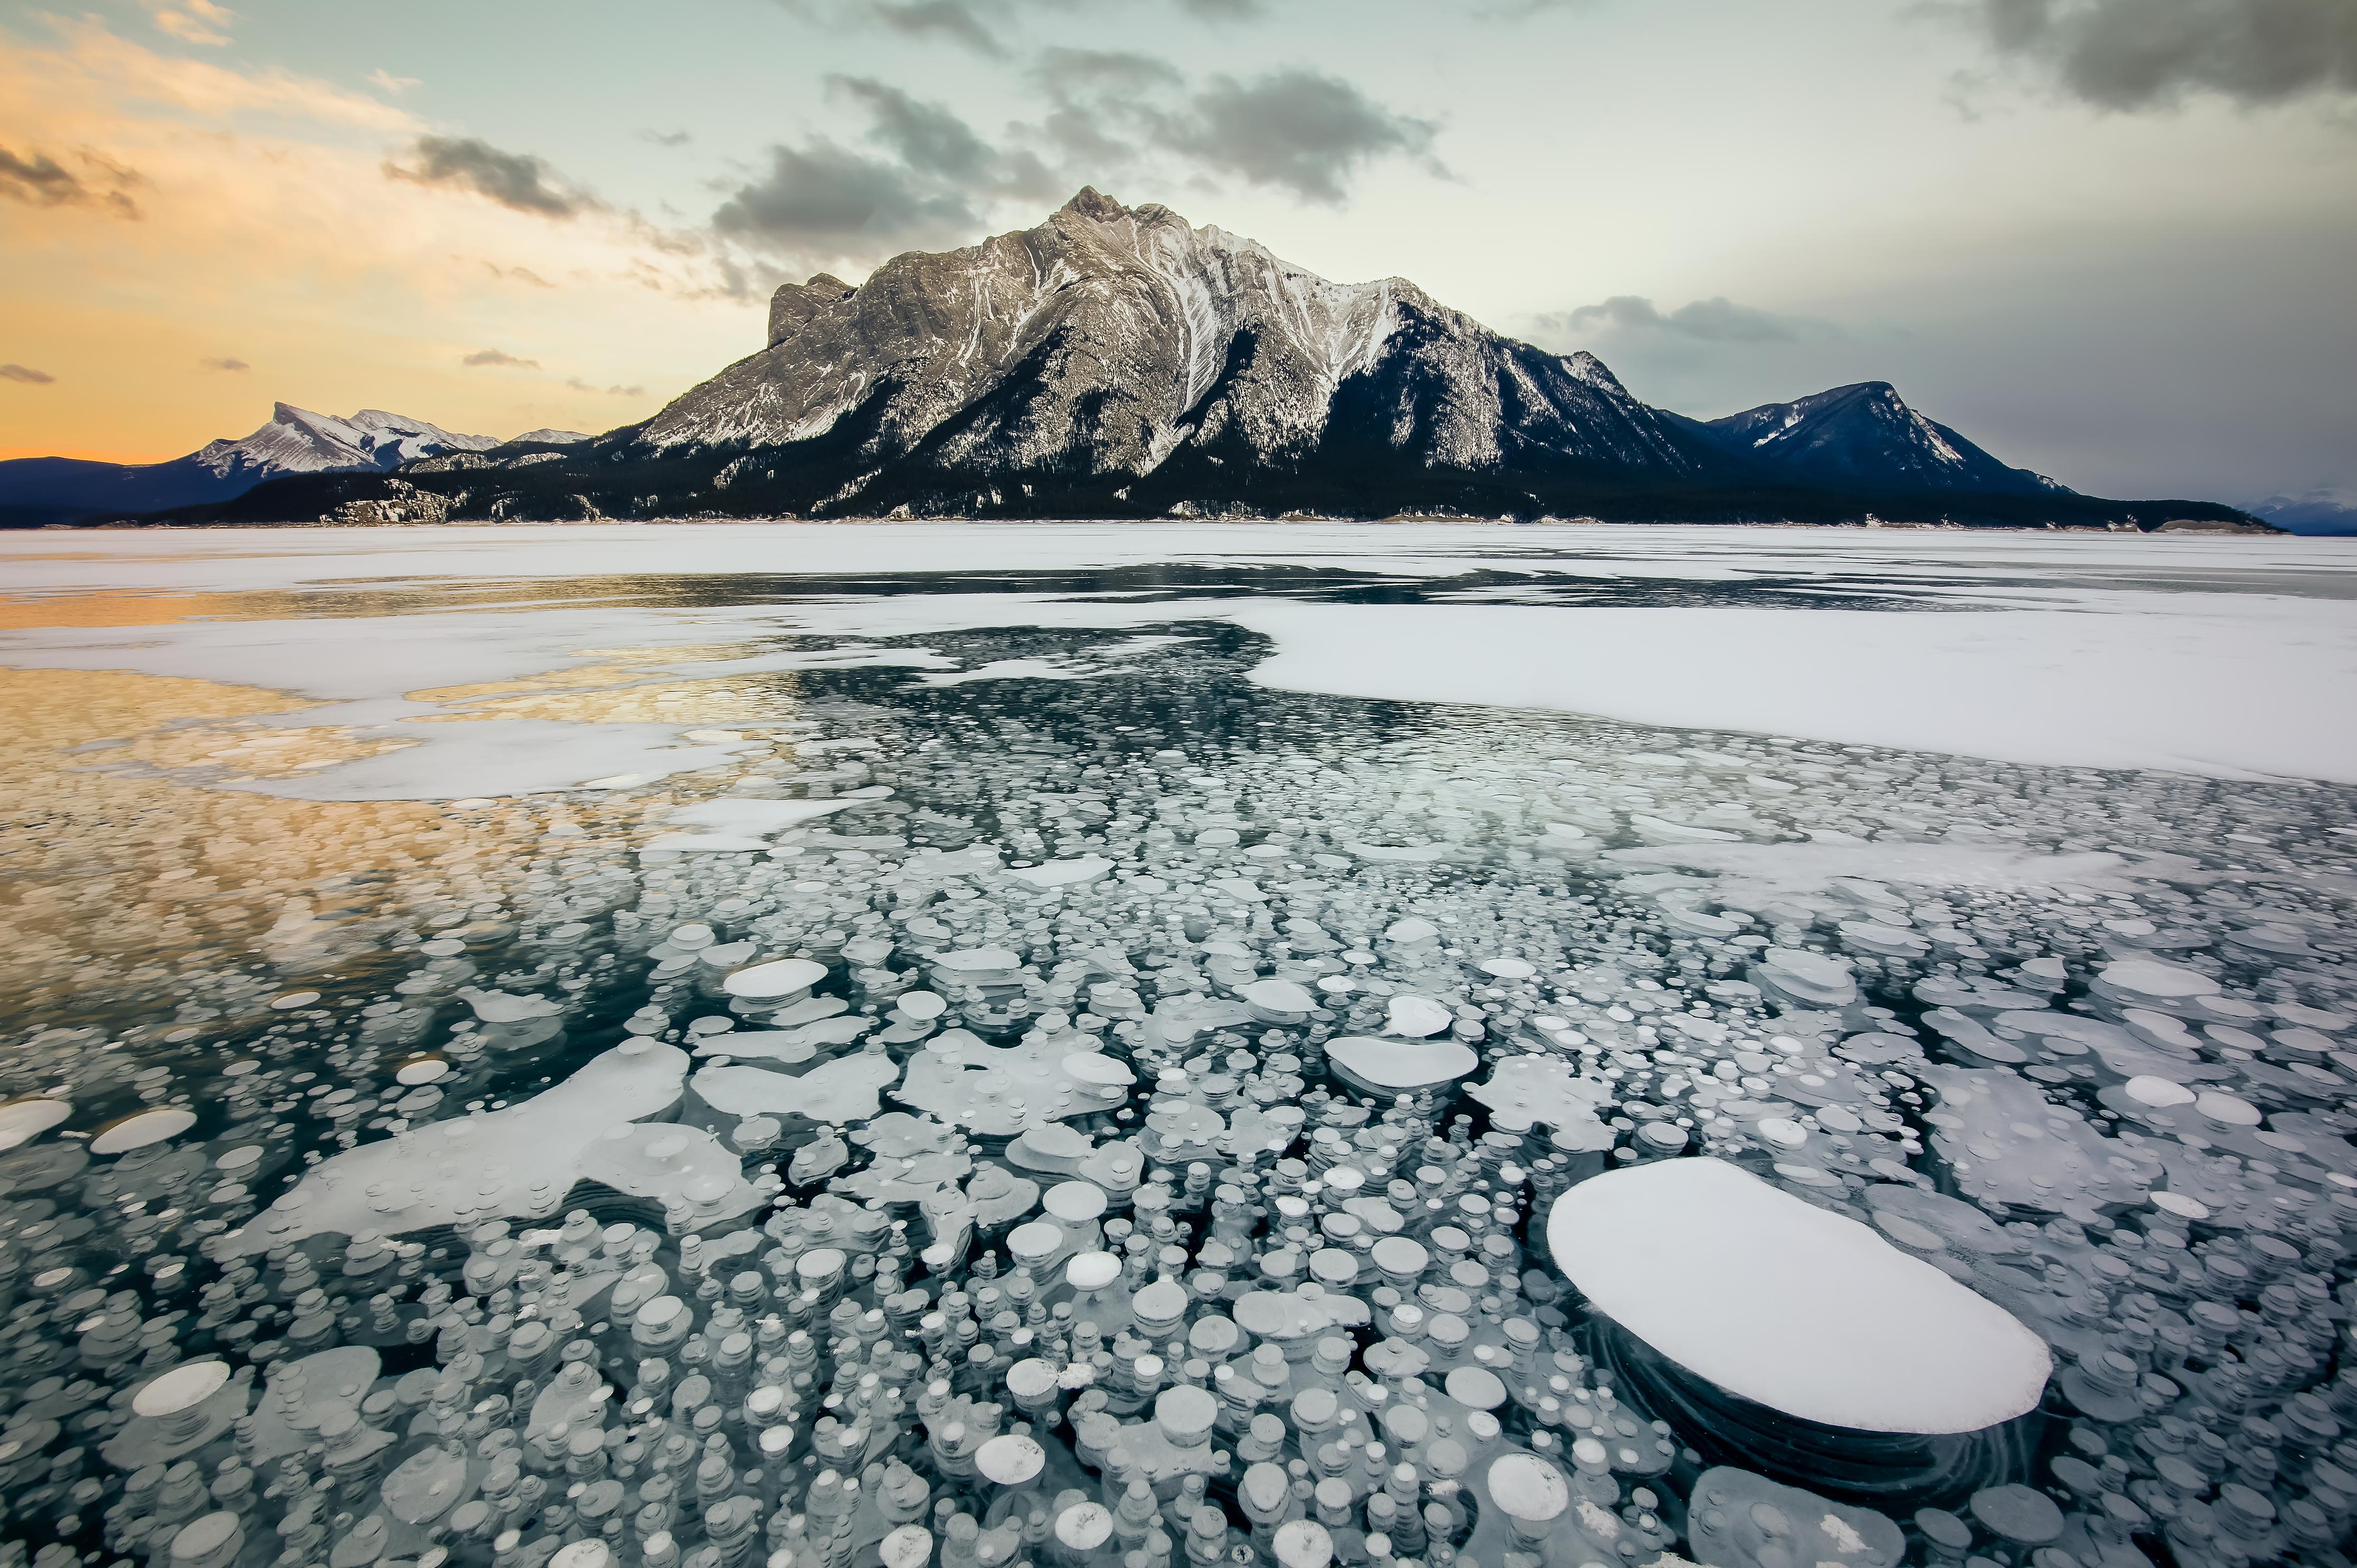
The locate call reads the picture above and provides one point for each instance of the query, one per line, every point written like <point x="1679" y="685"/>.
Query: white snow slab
<point x="516" y="1163"/>
<point x="735" y="817"/>
<point x="1810" y="867"/>
<point x="2231" y="685"/>
<point x="1063" y="872"/>
<point x="1792" y="1307"/>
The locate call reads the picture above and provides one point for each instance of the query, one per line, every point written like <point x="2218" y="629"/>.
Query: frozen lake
<point x="1042" y="1038"/>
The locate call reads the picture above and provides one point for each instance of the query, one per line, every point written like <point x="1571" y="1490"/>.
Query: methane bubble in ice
<point x="1803" y="1311"/>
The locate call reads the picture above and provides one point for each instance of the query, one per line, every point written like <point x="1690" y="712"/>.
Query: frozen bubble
<point x="1009" y="1460"/>
<point x="1303" y="1544"/>
<point x="2146" y="1088"/>
<point x="422" y="1071"/>
<point x="1072" y="873"/>
<point x="780" y="979"/>
<point x="1399" y="1066"/>
<point x="2149" y="978"/>
<point x="1525" y="1486"/>
<point x="185" y="1386"/>
<point x="1278" y="997"/>
<point x="1417" y="1016"/>
<point x="24" y="1120"/>
<point x="910" y="1546"/>
<point x="921" y="1005"/>
<point x="1091" y="1271"/>
<point x="500" y="1008"/>
<point x="1075" y="1202"/>
<point x="1509" y="968"/>
<point x="2180" y="1205"/>
<point x="2226" y="1110"/>
<point x="1803" y="1311"/>
<point x="142" y="1128"/>
<point x="294" y="999"/>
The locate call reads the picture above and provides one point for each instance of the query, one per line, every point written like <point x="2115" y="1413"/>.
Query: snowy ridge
<point x="298" y="441"/>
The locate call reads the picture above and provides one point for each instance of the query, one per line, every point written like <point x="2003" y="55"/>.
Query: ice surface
<point x="1805" y="1312"/>
<point x="2234" y="684"/>
<point x="1140" y="958"/>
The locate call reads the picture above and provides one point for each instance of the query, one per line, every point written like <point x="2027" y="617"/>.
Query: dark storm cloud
<point x="1297" y="130"/>
<point x="515" y="180"/>
<point x="2146" y="54"/>
<point x="225" y="363"/>
<point x="39" y="180"/>
<point x="499" y="357"/>
<point x="1714" y="320"/>
<point x="27" y="374"/>
<point x="927" y="181"/>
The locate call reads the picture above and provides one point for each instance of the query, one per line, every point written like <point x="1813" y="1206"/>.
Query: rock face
<point x="293" y="441"/>
<point x="1862" y="436"/>
<point x="1122" y="344"/>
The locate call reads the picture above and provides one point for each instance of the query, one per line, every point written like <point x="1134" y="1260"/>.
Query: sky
<point x="2115" y="241"/>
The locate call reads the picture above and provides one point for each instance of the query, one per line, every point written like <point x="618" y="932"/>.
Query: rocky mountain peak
<point x="1090" y="203"/>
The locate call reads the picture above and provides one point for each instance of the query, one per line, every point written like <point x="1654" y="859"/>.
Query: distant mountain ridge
<point x="292" y="441"/>
<point x="2328" y="510"/>
<point x="1118" y="361"/>
<point x="1863" y="434"/>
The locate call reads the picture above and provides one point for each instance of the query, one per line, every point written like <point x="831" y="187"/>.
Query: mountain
<point x="293" y="441"/>
<point x="1119" y="362"/>
<point x="1123" y="355"/>
<point x="1862" y="437"/>
<point x="2327" y="509"/>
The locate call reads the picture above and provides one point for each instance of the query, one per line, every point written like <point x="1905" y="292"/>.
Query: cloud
<point x="951" y="19"/>
<point x="192" y="21"/>
<point x="499" y="357"/>
<point x="385" y="81"/>
<point x="1714" y="320"/>
<point x="979" y="24"/>
<point x="1110" y="111"/>
<point x="225" y="364"/>
<point x="517" y="275"/>
<point x="666" y="138"/>
<point x="2129" y="55"/>
<point x="27" y="374"/>
<point x="41" y="180"/>
<point x="578" y="384"/>
<point x="1297" y="130"/>
<point x="515" y="180"/>
<point x="927" y="182"/>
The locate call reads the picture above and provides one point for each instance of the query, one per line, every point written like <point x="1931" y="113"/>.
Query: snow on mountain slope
<point x="298" y="441"/>
<point x="1863" y="436"/>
